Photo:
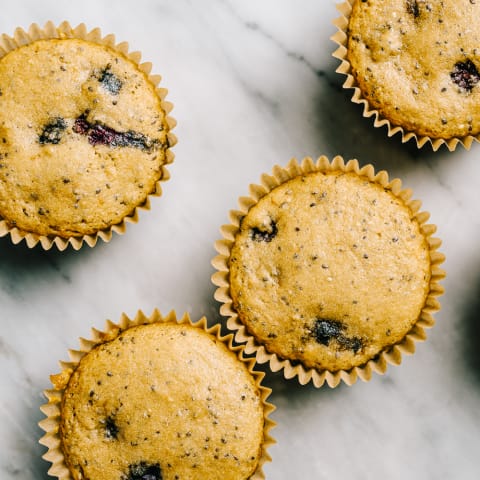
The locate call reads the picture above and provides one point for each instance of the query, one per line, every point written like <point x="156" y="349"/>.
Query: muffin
<point x="84" y="134"/>
<point x="414" y="64"/>
<point x="328" y="271"/>
<point x="159" y="399"/>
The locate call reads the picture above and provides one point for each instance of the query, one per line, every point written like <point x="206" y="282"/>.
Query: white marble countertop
<point x="253" y="84"/>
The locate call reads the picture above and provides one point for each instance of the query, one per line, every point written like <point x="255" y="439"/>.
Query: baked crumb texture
<point x="85" y="136"/>
<point x="414" y="65"/>
<point x="328" y="271"/>
<point x="157" y="398"/>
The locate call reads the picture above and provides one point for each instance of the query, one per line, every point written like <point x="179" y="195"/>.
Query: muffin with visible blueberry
<point x="84" y="136"/>
<point x="414" y="64"/>
<point x="158" y="399"/>
<point x="328" y="271"/>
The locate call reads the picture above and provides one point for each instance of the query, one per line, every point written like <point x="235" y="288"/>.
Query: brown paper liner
<point x="65" y="30"/>
<point x="52" y="409"/>
<point x="393" y="354"/>
<point x="341" y="39"/>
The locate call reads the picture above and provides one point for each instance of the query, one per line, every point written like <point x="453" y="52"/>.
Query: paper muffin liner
<point x="341" y="39"/>
<point x="65" y="30"/>
<point x="392" y="354"/>
<point x="52" y="409"/>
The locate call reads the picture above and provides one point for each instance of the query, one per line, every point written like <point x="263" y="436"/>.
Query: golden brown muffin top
<point x="162" y="401"/>
<point x="329" y="270"/>
<point x="82" y="137"/>
<point x="417" y="62"/>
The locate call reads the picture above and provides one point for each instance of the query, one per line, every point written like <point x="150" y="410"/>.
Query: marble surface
<point x="253" y="85"/>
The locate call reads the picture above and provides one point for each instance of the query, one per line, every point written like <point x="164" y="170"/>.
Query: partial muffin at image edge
<point x="414" y="66"/>
<point x="160" y="398"/>
<point x="85" y="136"/>
<point x="328" y="271"/>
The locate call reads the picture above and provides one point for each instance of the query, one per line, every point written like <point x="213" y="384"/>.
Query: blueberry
<point x="412" y="8"/>
<point x="53" y="131"/>
<point x="110" y="82"/>
<point x="111" y="428"/>
<point x="99" y="134"/>
<point x="134" y="139"/>
<point x="350" y="343"/>
<point x="81" y="125"/>
<point x="144" y="471"/>
<point x="465" y="75"/>
<point x="267" y="234"/>
<point x="324" y="330"/>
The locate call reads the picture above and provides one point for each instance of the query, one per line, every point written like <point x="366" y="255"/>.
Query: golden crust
<point x="163" y="395"/>
<point x="55" y="179"/>
<point x="411" y="60"/>
<point x="329" y="269"/>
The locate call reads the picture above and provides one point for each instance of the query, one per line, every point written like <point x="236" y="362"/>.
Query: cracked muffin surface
<point x="83" y="137"/>
<point x="329" y="269"/>
<point x="161" y="401"/>
<point x="417" y="62"/>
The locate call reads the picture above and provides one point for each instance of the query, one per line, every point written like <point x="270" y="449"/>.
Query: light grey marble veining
<point x="253" y="85"/>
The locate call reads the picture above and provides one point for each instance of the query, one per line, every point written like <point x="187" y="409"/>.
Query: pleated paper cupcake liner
<point x="53" y="409"/>
<point x="345" y="68"/>
<point x="66" y="31"/>
<point x="392" y="354"/>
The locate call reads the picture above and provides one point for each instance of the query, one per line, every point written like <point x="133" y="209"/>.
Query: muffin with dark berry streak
<point x="415" y="64"/>
<point x="84" y="134"/>
<point x="329" y="269"/>
<point x="158" y="399"/>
